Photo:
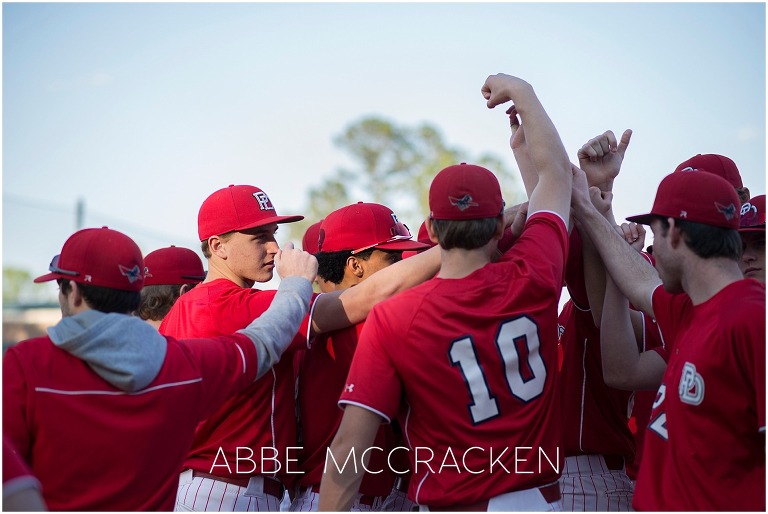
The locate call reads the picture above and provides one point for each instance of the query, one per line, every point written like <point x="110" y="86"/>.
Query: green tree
<point x="15" y="281"/>
<point x="394" y="166"/>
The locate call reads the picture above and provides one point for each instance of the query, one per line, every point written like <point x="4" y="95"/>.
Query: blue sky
<point x="143" y="109"/>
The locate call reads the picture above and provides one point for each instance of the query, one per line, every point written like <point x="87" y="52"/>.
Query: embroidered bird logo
<point x="463" y="203"/>
<point x="729" y="211"/>
<point x="133" y="274"/>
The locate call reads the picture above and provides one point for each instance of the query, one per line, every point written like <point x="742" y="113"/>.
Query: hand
<point x="601" y="199"/>
<point x="633" y="234"/>
<point x="518" y="222"/>
<point x="580" y="197"/>
<point x="517" y="140"/>
<point x="601" y="158"/>
<point x="290" y="262"/>
<point x="498" y="88"/>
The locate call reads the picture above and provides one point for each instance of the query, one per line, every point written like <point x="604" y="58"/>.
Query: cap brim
<point x="643" y="219"/>
<point x="50" y="276"/>
<point x="261" y="223"/>
<point x="759" y="228"/>
<point x="407" y="244"/>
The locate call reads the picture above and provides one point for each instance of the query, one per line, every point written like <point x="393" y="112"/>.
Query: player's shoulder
<point x="33" y="345"/>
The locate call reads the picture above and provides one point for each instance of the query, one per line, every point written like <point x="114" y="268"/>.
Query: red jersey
<point x="322" y="375"/>
<point x="705" y="443"/>
<point x="54" y="405"/>
<point x="643" y="400"/>
<point x="594" y="415"/>
<point x="475" y="360"/>
<point x="261" y="418"/>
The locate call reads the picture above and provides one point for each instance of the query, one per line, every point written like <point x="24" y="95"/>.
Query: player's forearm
<point x="273" y="331"/>
<point x="635" y="277"/>
<point x="347" y="458"/>
<point x="618" y="346"/>
<point x="351" y="306"/>
<point x="545" y="150"/>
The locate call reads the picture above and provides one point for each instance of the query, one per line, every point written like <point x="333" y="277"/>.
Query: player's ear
<point x="430" y="231"/>
<point x="674" y="234"/>
<point x="216" y="246"/>
<point x="354" y="266"/>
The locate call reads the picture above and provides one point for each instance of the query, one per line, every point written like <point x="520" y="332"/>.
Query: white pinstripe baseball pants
<point x="199" y="494"/>
<point x="587" y="485"/>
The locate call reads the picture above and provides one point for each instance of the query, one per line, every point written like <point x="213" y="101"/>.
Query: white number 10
<point x="518" y="345"/>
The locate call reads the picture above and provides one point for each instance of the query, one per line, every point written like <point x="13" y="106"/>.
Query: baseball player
<point x="309" y="244"/>
<point x="168" y="273"/>
<point x="625" y="331"/>
<point x="244" y="455"/>
<point x="104" y="408"/>
<point x="597" y="440"/>
<point x="712" y="393"/>
<point x="355" y="242"/>
<point x="752" y="232"/>
<point x="471" y="353"/>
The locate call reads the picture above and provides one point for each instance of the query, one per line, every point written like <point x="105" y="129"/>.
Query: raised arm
<point x="545" y="150"/>
<point x="340" y="309"/>
<point x="636" y="278"/>
<point x="624" y="366"/>
<point x="601" y="158"/>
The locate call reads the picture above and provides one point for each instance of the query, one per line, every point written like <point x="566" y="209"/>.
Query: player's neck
<point x="459" y="263"/>
<point x="704" y="278"/>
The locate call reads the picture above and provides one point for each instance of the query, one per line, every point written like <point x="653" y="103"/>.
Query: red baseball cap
<point x="719" y="165"/>
<point x="309" y="241"/>
<point x="237" y="208"/>
<point x="753" y="215"/>
<point x="173" y="266"/>
<point x="99" y="257"/>
<point x="698" y="197"/>
<point x="361" y="226"/>
<point x="465" y="192"/>
<point x="423" y="237"/>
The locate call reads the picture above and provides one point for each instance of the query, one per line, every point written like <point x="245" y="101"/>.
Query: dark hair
<point x="707" y="241"/>
<point x="466" y="234"/>
<point x="330" y="265"/>
<point x="104" y="299"/>
<point x="157" y="300"/>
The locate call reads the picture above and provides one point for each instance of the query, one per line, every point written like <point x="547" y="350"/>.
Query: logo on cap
<point x="463" y="203"/>
<point x="264" y="202"/>
<point x="133" y="274"/>
<point x="729" y="211"/>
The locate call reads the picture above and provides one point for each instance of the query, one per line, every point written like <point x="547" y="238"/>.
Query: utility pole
<point x="79" y="213"/>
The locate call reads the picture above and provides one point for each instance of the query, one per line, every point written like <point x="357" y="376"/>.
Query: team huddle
<point x="393" y="373"/>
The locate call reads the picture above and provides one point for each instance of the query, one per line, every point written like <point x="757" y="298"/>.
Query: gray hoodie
<point x="128" y="353"/>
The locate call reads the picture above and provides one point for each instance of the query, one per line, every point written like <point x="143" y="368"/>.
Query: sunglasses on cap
<point x="399" y="232"/>
<point x="54" y="267"/>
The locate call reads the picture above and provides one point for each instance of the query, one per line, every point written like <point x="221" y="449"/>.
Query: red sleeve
<point x="574" y="271"/>
<point x="372" y="382"/>
<point x="227" y="364"/>
<point x="669" y="309"/>
<point x="16" y="474"/>
<point x="15" y="403"/>
<point x="542" y="249"/>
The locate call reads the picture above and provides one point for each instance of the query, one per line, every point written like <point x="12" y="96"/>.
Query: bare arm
<point x="341" y="309"/>
<point x="356" y="434"/>
<point x="636" y="278"/>
<point x="544" y="147"/>
<point x="601" y="158"/>
<point x="624" y="367"/>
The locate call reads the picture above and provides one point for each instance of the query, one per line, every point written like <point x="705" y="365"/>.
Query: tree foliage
<point x="394" y="165"/>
